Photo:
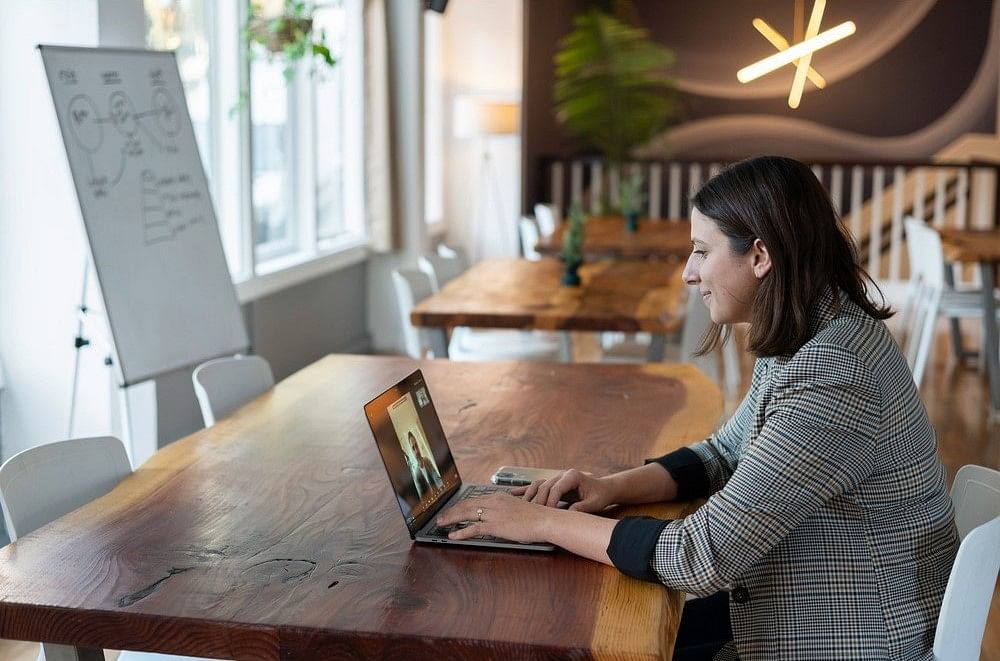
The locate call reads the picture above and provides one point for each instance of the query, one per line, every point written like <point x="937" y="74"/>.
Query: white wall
<point x="482" y="57"/>
<point x="41" y="237"/>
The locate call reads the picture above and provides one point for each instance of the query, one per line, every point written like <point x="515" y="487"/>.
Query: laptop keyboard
<point x="474" y="491"/>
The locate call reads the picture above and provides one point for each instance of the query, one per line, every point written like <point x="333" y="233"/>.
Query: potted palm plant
<point x="612" y="91"/>
<point x="630" y="199"/>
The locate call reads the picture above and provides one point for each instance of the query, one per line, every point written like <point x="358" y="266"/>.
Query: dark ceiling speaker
<point x="436" y="5"/>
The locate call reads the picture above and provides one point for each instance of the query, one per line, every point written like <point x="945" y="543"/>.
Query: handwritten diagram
<point x="163" y="202"/>
<point x="108" y="153"/>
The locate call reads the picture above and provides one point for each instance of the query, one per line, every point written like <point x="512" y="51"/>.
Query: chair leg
<point x="956" y="340"/>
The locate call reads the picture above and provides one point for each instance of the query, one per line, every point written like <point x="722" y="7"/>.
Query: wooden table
<point x="983" y="247"/>
<point x="517" y="293"/>
<point x="607" y="238"/>
<point x="275" y="533"/>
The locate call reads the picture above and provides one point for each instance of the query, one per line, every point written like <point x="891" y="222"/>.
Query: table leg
<point x="956" y="329"/>
<point x="437" y="340"/>
<point x="565" y="347"/>
<point x="657" y="348"/>
<point x="991" y="338"/>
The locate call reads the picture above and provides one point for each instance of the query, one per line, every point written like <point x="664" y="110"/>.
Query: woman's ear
<point x="761" y="263"/>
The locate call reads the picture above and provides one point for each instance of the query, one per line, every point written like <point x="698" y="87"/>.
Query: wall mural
<point x="912" y="78"/>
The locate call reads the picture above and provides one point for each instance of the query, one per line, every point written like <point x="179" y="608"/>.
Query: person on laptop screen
<point x="828" y="530"/>
<point x="426" y="476"/>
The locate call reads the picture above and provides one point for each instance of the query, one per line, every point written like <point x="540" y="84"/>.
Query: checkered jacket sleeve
<point x="703" y="468"/>
<point x="816" y="442"/>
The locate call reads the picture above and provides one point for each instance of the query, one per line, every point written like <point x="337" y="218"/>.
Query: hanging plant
<point x="287" y="38"/>
<point x="612" y="91"/>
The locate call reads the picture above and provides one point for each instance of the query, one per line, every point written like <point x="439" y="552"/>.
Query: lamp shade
<point x="478" y="117"/>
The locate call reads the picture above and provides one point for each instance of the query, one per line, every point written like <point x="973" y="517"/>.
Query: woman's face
<point x="727" y="281"/>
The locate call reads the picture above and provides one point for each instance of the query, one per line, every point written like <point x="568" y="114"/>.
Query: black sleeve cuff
<point x="633" y="542"/>
<point x="688" y="471"/>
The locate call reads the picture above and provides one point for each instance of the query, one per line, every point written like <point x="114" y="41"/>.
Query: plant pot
<point x="275" y="40"/>
<point x="632" y="221"/>
<point x="571" y="276"/>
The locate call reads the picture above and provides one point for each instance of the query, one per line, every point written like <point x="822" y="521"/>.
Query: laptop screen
<point x="416" y="455"/>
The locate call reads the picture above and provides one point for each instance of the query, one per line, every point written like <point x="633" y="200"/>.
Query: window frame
<point x="261" y="271"/>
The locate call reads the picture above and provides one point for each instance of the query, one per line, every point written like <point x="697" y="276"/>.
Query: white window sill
<point x="284" y="272"/>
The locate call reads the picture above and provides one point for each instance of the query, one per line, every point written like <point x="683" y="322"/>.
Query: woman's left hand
<point x="499" y="515"/>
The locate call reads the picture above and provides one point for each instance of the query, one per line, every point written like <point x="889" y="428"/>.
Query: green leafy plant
<point x="611" y="88"/>
<point x="630" y="195"/>
<point x="572" y="245"/>
<point x="288" y="37"/>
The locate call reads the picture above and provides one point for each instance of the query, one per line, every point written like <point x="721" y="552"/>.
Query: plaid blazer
<point x="828" y="520"/>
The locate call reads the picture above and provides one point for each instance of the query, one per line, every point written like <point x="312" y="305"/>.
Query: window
<point x="285" y="166"/>
<point x="180" y="25"/>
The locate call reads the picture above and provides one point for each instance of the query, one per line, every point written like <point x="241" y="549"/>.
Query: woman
<point x="827" y="519"/>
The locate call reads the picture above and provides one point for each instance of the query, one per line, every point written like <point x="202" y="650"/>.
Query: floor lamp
<point x="486" y="119"/>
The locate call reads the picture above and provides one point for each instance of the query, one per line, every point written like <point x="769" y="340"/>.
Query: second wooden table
<point x="516" y="293"/>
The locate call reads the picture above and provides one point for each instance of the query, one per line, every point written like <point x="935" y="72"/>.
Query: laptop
<point x="421" y="469"/>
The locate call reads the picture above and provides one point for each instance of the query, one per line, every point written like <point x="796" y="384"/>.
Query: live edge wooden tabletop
<point x="518" y="293"/>
<point x="275" y="534"/>
<point x="606" y="237"/>
<point x="971" y="245"/>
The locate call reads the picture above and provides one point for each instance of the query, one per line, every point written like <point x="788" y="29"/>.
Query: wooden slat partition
<point x="655" y="190"/>
<point x="837" y="188"/>
<point x="873" y="198"/>
<point x="597" y="185"/>
<point x="675" y="191"/>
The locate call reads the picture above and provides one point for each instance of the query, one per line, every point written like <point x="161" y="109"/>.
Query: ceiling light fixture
<point x="799" y="54"/>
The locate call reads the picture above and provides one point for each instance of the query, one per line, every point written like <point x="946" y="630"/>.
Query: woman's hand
<point x="499" y="515"/>
<point x="592" y="494"/>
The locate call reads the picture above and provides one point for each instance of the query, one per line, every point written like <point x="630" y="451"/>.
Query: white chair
<point x="528" y="231"/>
<point x="547" y="217"/>
<point x="225" y="384"/>
<point x="467" y="344"/>
<point x="966" y="603"/>
<point x="924" y="255"/>
<point x="441" y="270"/>
<point x="920" y="313"/>
<point x="453" y="252"/>
<point x="43" y="483"/>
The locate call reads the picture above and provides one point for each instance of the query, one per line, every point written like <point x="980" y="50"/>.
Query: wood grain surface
<point x="971" y="245"/>
<point x="275" y="534"/>
<point x="606" y="237"/>
<point x="517" y="293"/>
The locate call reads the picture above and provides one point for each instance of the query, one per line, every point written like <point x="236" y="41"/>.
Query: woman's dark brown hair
<point x="779" y="201"/>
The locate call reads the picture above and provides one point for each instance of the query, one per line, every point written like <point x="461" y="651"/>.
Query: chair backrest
<point x="528" y="229"/>
<point x="924" y="299"/>
<point x="547" y="218"/>
<point x="966" y="603"/>
<point x="455" y="253"/>
<point x="976" y="496"/>
<point x="441" y="270"/>
<point x="412" y="286"/>
<point x="225" y="384"/>
<point x="43" y="483"/>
